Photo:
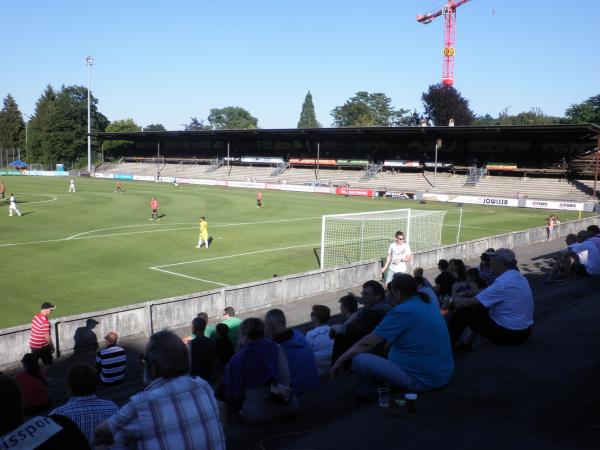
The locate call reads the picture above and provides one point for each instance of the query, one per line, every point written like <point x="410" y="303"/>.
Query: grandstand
<point x="547" y="162"/>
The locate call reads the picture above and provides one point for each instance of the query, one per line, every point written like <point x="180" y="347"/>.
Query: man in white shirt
<point x="502" y="312"/>
<point x="398" y="255"/>
<point x="72" y="185"/>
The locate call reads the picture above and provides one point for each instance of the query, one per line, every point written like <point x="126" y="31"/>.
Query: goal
<point x="346" y="238"/>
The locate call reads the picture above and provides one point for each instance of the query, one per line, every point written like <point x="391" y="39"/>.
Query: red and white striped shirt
<point x="40" y="326"/>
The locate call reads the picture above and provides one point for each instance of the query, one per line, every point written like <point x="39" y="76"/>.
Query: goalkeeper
<point x="398" y="255"/>
<point x="203" y="232"/>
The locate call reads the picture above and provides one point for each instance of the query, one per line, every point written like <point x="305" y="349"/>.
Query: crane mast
<point x="449" y="13"/>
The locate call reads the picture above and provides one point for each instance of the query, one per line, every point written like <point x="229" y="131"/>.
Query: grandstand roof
<point x="580" y="132"/>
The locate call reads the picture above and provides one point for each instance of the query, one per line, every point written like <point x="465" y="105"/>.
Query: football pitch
<point x="97" y="249"/>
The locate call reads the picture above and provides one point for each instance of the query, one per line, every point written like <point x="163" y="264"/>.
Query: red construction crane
<point x="449" y="12"/>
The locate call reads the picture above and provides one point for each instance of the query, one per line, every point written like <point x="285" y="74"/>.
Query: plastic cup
<point x="384" y="397"/>
<point x="411" y="404"/>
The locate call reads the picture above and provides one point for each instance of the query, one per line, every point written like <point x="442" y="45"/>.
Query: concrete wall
<point x="80" y="332"/>
<point x="472" y="249"/>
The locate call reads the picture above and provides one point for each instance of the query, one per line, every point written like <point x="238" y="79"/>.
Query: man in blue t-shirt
<point x="502" y="312"/>
<point x="420" y="357"/>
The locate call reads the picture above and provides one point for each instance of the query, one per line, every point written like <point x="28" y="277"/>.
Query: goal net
<point x="347" y="238"/>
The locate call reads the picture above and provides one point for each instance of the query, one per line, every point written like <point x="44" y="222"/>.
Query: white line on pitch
<point x="235" y="256"/>
<point x="187" y="276"/>
<point x="75" y="236"/>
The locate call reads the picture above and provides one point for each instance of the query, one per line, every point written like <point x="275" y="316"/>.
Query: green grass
<point x="107" y="261"/>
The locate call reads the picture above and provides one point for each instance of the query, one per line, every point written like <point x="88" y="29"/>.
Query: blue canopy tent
<point x="19" y="164"/>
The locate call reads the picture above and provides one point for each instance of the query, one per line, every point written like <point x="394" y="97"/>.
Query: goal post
<point x="347" y="238"/>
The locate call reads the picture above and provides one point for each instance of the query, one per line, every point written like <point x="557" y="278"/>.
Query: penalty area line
<point x="187" y="276"/>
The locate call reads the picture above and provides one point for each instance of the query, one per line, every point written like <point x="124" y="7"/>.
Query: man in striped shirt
<point x="40" y="341"/>
<point x="111" y="361"/>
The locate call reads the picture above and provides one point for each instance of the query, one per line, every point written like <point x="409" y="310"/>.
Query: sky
<point x="167" y="61"/>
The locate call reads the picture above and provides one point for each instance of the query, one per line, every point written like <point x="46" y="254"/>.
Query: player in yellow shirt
<point x="203" y="232"/>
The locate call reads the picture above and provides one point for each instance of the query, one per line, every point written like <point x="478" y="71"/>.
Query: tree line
<point x="56" y="131"/>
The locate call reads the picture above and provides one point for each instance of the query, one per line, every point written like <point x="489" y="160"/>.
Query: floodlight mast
<point x="449" y="13"/>
<point x="89" y="61"/>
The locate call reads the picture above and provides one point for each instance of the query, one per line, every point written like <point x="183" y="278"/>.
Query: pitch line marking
<point x="187" y="276"/>
<point x="53" y="198"/>
<point x="76" y="236"/>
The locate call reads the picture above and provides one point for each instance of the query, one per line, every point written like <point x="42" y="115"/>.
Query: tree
<point x="196" y="125"/>
<point x="308" y="118"/>
<point x="535" y="116"/>
<point x="443" y="103"/>
<point x="232" y="118"/>
<point x="585" y="112"/>
<point x="155" y="127"/>
<point x="12" y="126"/>
<point x="39" y="126"/>
<point x="114" y="148"/>
<point x="368" y="110"/>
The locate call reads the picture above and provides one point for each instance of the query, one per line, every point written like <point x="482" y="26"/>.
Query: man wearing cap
<point x="502" y="312"/>
<point x="111" y="361"/>
<point x="40" y="341"/>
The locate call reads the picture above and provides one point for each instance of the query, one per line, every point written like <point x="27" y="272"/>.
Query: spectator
<point x="233" y="323"/>
<point x="562" y="267"/>
<point x="398" y="255"/>
<point x="174" y="411"/>
<point x="209" y="331"/>
<point x="361" y="322"/>
<point x="419" y="272"/>
<point x="259" y="363"/>
<point x="111" y="361"/>
<point x="420" y="358"/>
<point x="457" y="268"/>
<point x="301" y="361"/>
<point x="502" y="312"/>
<point x="318" y="338"/>
<point x="84" y="407"/>
<point x="34" y="385"/>
<point x="40" y="341"/>
<point x="225" y="350"/>
<point x="594" y="232"/>
<point x="202" y="352"/>
<point x="485" y="270"/>
<point x="348" y="305"/>
<point x="588" y="256"/>
<point x="444" y="281"/>
<point x="474" y="279"/>
<point x="431" y="295"/>
<point x="58" y="433"/>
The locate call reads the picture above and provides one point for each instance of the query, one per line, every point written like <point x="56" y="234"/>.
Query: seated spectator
<point x="209" y="331"/>
<point x="420" y="357"/>
<point x="202" y="352"/>
<point x="34" y="385"/>
<point x="588" y="256"/>
<point x="561" y="268"/>
<point x="348" y="305"/>
<point x="174" y="411"/>
<point x="84" y="407"/>
<point x="225" y="349"/>
<point x="301" y="360"/>
<point x="56" y="432"/>
<point x="594" y="233"/>
<point x="431" y="295"/>
<point x="418" y="272"/>
<point x="444" y="281"/>
<point x="233" y="323"/>
<point x="259" y="363"/>
<point x="458" y="270"/>
<point x="474" y="279"/>
<point x="111" y="361"/>
<point x="318" y="338"/>
<point x="363" y="321"/>
<point x="485" y="270"/>
<point x="503" y="312"/>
